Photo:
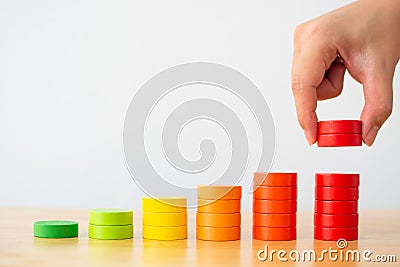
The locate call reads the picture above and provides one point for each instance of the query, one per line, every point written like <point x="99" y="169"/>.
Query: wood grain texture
<point x="379" y="232"/>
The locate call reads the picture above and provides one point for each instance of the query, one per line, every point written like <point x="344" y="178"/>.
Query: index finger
<point x="308" y="70"/>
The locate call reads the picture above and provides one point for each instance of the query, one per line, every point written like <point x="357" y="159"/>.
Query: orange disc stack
<point x="274" y="206"/>
<point x="218" y="215"/>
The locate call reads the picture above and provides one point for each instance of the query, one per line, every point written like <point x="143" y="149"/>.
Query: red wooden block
<point x="339" y="126"/>
<point x="339" y="140"/>
<point x="275" y="179"/>
<point x="274" y="233"/>
<point x="337" y="179"/>
<point x="275" y="192"/>
<point x="274" y="220"/>
<point x="334" y="234"/>
<point x="336" y="207"/>
<point x="274" y="206"/>
<point x="336" y="193"/>
<point x="336" y="220"/>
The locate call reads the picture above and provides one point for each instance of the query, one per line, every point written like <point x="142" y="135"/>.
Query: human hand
<point x="363" y="38"/>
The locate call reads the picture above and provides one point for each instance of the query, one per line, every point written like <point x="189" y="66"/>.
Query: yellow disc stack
<point x="164" y="218"/>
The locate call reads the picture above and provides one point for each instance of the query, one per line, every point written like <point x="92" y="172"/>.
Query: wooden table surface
<point x="379" y="232"/>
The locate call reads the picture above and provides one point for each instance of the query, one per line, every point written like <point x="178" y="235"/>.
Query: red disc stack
<point x="336" y="206"/>
<point x="339" y="133"/>
<point x="275" y="206"/>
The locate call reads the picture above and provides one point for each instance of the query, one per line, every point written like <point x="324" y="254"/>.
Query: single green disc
<point x="110" y="231"/>
<point x="55" y="229"/>
<point x="110" y="217"/>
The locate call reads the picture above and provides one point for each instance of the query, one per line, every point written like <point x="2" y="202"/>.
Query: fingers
<point x="378" y="93"/>
<point x="309" y="65"/>
<point x="332" y="84"/>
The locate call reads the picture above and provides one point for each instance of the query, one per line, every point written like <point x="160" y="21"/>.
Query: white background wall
<point x="68" y="70"/>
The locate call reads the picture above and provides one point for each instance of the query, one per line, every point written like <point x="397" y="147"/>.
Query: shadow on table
<point x="110" y="251"/>
<point x="164" y="253"/>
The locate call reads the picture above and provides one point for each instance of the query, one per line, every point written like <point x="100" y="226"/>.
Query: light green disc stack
<point x="109" y="224"/>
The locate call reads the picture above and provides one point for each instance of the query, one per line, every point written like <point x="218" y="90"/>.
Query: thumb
<point x="378" y="94"/>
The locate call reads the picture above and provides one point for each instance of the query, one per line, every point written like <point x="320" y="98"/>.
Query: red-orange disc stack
<point x="275" y="206"/>
<point x="336" y="206"/>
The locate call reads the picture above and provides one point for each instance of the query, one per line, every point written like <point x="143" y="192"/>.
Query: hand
<point x="364" y="38"/>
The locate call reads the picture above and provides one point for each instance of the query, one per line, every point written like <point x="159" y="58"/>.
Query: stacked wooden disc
<point x="218" y="215"/>
<point x="164" y="218"/>
<point x="110" y="224"/>
<point x="336" y="206"/>
<point x="275" y="206"/>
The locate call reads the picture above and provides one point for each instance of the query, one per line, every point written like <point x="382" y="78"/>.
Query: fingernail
<point x="310" y="138"/>
<point x="371" y="135"/>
